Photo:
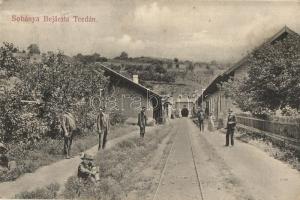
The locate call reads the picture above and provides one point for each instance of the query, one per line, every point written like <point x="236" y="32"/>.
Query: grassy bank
<point x="48" y="192"/>
<point x="276" y="149"/>
<point x="41" y="153"/>
<point x="117" y="167"/>
<point x="143" y="181"/>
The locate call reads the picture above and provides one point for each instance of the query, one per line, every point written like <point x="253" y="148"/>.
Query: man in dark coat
<point x="142" y="122"/>
<point x="103" y="125"/>
<point x="231" y="123"/>
<point x="67" y="122"/>
<point x="200" y="116"/>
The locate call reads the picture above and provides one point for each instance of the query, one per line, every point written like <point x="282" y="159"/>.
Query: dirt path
<point x="242" y="172"/>
<point x="57" y="172"/>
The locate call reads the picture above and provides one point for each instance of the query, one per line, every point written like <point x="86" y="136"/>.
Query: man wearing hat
<point x="68" y="125"/>
<point x="87" y="169"/>
<point x="103" y="125"/>
<point x="142" y="121"/>
<point x="200" y="116"/>
<point x="231" y="123"/>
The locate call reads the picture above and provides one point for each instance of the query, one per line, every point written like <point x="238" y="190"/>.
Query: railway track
<point x="164" y="169"/>
<point x="196" y="169"/>
<point x="155" y="197"/>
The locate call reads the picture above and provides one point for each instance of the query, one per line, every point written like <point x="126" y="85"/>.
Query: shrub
<point x="116" y="169"/>
<point x="72" y="188"/>
<point x="30" y="156"/>
<point x="48" y="192"/>
<point x="107" y="189"/>
<point x="127" y="144"/>
<point x="117" y="118"/>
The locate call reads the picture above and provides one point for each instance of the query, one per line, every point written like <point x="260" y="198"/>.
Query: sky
<point x="186" y="29"/>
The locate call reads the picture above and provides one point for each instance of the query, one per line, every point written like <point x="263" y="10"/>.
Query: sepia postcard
<point x="150" y="99"/>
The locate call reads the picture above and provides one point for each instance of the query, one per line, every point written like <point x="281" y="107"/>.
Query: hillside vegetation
<point x="167" y="76"/>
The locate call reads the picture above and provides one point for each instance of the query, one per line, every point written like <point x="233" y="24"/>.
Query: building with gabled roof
<point x="214" y="99"/>
<point x="127" y="96"/>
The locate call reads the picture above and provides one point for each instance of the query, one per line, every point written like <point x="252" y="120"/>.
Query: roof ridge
<point x="237" y="64"/>
<point x="128" y="79"/>
<point x="285" y="29"/>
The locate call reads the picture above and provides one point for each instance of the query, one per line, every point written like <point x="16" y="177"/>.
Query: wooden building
<point x="215" y="100"/>
<point x="127" y="96"/>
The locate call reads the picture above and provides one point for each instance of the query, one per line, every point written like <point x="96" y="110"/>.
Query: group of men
<point x="68" y="126"/>
<point x="87" y="169"/>
<point x="230" y="127"/>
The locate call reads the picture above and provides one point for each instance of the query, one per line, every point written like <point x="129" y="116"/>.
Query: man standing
<point x="103" y="126"/>
<point x="200" y="116"/>
<point x="68" y="125"/>
<point x="142" y="122"/>
<point x="231" y="123"/>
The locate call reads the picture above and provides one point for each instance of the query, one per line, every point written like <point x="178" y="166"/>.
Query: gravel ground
<point x="241" y="172"/>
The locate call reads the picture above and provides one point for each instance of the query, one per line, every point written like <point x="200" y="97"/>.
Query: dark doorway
<point x="184" y="112"/>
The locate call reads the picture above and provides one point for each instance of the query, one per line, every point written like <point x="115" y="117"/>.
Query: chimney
<point x="135" y="78"/>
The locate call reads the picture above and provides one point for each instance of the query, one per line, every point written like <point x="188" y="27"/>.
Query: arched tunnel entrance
<point x="184" y="112"/>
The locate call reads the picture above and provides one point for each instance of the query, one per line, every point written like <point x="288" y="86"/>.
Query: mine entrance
<point x="184" y="112"/>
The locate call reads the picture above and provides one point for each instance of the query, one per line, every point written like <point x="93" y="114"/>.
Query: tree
<point x="87" y="59"/>
<point x="169" y="77"/>
<point x="8" y="62"/>
<point x="274" y="74"/>
<point x="123" y="55"/>
<point x="213" y="62"/>
<point x="63" y="84"/>
<point x="16" y="119"/>
<point x="176" y="62"/>
<point x="191" y="67"/>
<point x="59" y="84"/>
<point x="273" y="79"/>
<point x="33" y="49"/>
<point x="160" y="69"/>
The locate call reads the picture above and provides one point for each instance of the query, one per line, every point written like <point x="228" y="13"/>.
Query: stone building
<point x="184" y="106"/>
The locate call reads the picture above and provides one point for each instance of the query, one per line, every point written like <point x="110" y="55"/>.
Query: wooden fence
<point x="282" y="130"/>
